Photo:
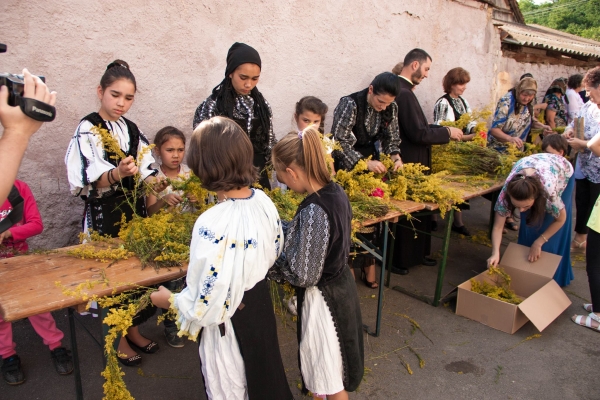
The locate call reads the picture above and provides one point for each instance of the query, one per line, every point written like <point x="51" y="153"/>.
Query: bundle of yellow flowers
<point x="499" y="290"/>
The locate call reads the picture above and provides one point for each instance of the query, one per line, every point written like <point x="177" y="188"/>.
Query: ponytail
<point x="306" y="150"/>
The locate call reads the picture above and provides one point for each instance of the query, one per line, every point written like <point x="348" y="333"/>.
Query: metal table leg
<point x="381" y="256"/>
<point x="494" y="198"/>
<point x="391" y="245"/>
<point x="103" y="314"/>
<point x="442" y="267"/>
<point x="77" y="372"/>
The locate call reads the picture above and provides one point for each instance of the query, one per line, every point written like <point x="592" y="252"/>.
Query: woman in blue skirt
<point x="540" y="186"/>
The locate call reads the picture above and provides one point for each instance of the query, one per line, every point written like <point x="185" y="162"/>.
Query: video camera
<point x="33" y="108"/>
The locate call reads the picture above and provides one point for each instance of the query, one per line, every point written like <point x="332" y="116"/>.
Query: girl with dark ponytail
<point x="238" y="98"/>
<point x="314" y="261"/>
<point x="540" y="186"/>
<point x="101" y="180"/>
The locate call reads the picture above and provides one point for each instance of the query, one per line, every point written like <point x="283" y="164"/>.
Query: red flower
<point x="378" y="193"/>
<point x="483" y="134"/>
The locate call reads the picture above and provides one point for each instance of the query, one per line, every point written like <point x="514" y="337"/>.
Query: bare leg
<point x="458" y="222"/>
<point x="136" y="337"/>
<point x="343" y="395"/>
<point x="370" y="272"/>
<point x="124" y="348"/>
<point x="579" y="240"/>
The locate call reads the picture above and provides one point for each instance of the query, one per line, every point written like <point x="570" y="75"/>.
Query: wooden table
<point x="469" y="191"/>
<point x="385" y="254"/>
<point x="28" y="286"/>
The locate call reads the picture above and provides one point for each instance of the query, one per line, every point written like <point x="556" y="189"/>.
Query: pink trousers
<point x="44" y="325"/>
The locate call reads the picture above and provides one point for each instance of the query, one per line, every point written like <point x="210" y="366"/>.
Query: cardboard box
<point x="543" y="301"/>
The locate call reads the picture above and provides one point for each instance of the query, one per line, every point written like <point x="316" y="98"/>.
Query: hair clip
<point x="116" y="64"/>
<point x="300" y="134"/>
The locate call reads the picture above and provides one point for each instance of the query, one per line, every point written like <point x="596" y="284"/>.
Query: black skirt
<point x="256" y="333"/>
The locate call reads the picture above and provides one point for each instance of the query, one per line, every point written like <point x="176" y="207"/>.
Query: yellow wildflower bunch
<point x="477" y="115"/>
<point x="109" y="142"/>
<point x="512" y="155"/>
<point x="192" y="188"/>
<point x="90" y="251"/>
<point x="161" y="240"/>
<point x="369" y="195"/>
<point x="360" y="181"/>
<point x="413" y="183"/>
<point x="329" y="145"/>
<point x="122" y="308"/>
<point x="499" y="290"/>
<point x="465" y="158"/>
<point x="286" y="202"/>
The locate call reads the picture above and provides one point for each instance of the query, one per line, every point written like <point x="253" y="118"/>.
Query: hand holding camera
<point x="36" y="99"/>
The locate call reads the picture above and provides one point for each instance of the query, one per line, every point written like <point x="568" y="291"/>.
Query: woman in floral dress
<point x="540" y="186"/>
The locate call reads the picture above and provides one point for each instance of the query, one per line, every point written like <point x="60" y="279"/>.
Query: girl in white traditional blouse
<point x="100" y="179"/>
<point x="227" y="300"/>
<point x="315" y="261"/>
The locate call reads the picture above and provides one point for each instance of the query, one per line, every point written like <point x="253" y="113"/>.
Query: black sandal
<point x="363" y="277"/>
<point x="132" y="361"/>
<point x="150" y="348"/>
<point x="512" y="225"/>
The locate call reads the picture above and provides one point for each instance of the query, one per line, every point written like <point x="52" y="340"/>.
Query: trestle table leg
<point x="76" y="371"/>
<point x="442" y="268"/>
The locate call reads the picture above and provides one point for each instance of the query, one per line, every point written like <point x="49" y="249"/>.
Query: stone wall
<point x="177" y="50"/>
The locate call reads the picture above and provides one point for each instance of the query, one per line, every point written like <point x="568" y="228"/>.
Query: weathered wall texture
<point x="177" y="50"/>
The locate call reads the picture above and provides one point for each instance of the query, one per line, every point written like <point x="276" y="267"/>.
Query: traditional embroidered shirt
<point x="243" y="110"/>
<point x="442" y="111"/>
<point x="505" y="119"/>
<point x="557" y="105"/>
<point x="588" y="164"/>
<point x="316" y="244"/>
<point x="86" y="159"/>
<point x="553" y="171"/>
<point x="344" y="119"/>
<point x="234" y="244"/>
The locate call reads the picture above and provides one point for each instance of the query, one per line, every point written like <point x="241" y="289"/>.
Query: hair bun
<point x="117" y="63"/>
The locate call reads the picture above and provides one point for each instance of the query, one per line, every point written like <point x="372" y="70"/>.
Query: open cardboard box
<point x="543" y="301"/>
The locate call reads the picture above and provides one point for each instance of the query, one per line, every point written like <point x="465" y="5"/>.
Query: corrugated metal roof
<point x="547" y="38"/>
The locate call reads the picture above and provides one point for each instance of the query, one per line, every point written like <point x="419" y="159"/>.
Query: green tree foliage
<point x="578" y="17"/>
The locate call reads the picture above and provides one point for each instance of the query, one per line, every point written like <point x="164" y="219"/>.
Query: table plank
<point x="403" y="207"/>
<point x="27" y="283"/>
<point x="470" y="191"/>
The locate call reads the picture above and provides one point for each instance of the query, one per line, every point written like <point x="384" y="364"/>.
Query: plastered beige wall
<point x="177" y="50"/>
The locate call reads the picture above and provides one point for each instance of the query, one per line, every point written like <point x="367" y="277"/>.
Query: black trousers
<point x="592" y="255"/>
<point x="586" y="194"/>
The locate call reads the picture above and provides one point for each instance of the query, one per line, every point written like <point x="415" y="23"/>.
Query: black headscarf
<point x="241" y="53"/>
<point x="224" y="94"/>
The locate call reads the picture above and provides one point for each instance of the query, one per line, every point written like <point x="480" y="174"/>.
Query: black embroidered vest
<point x="365" y="143"/>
